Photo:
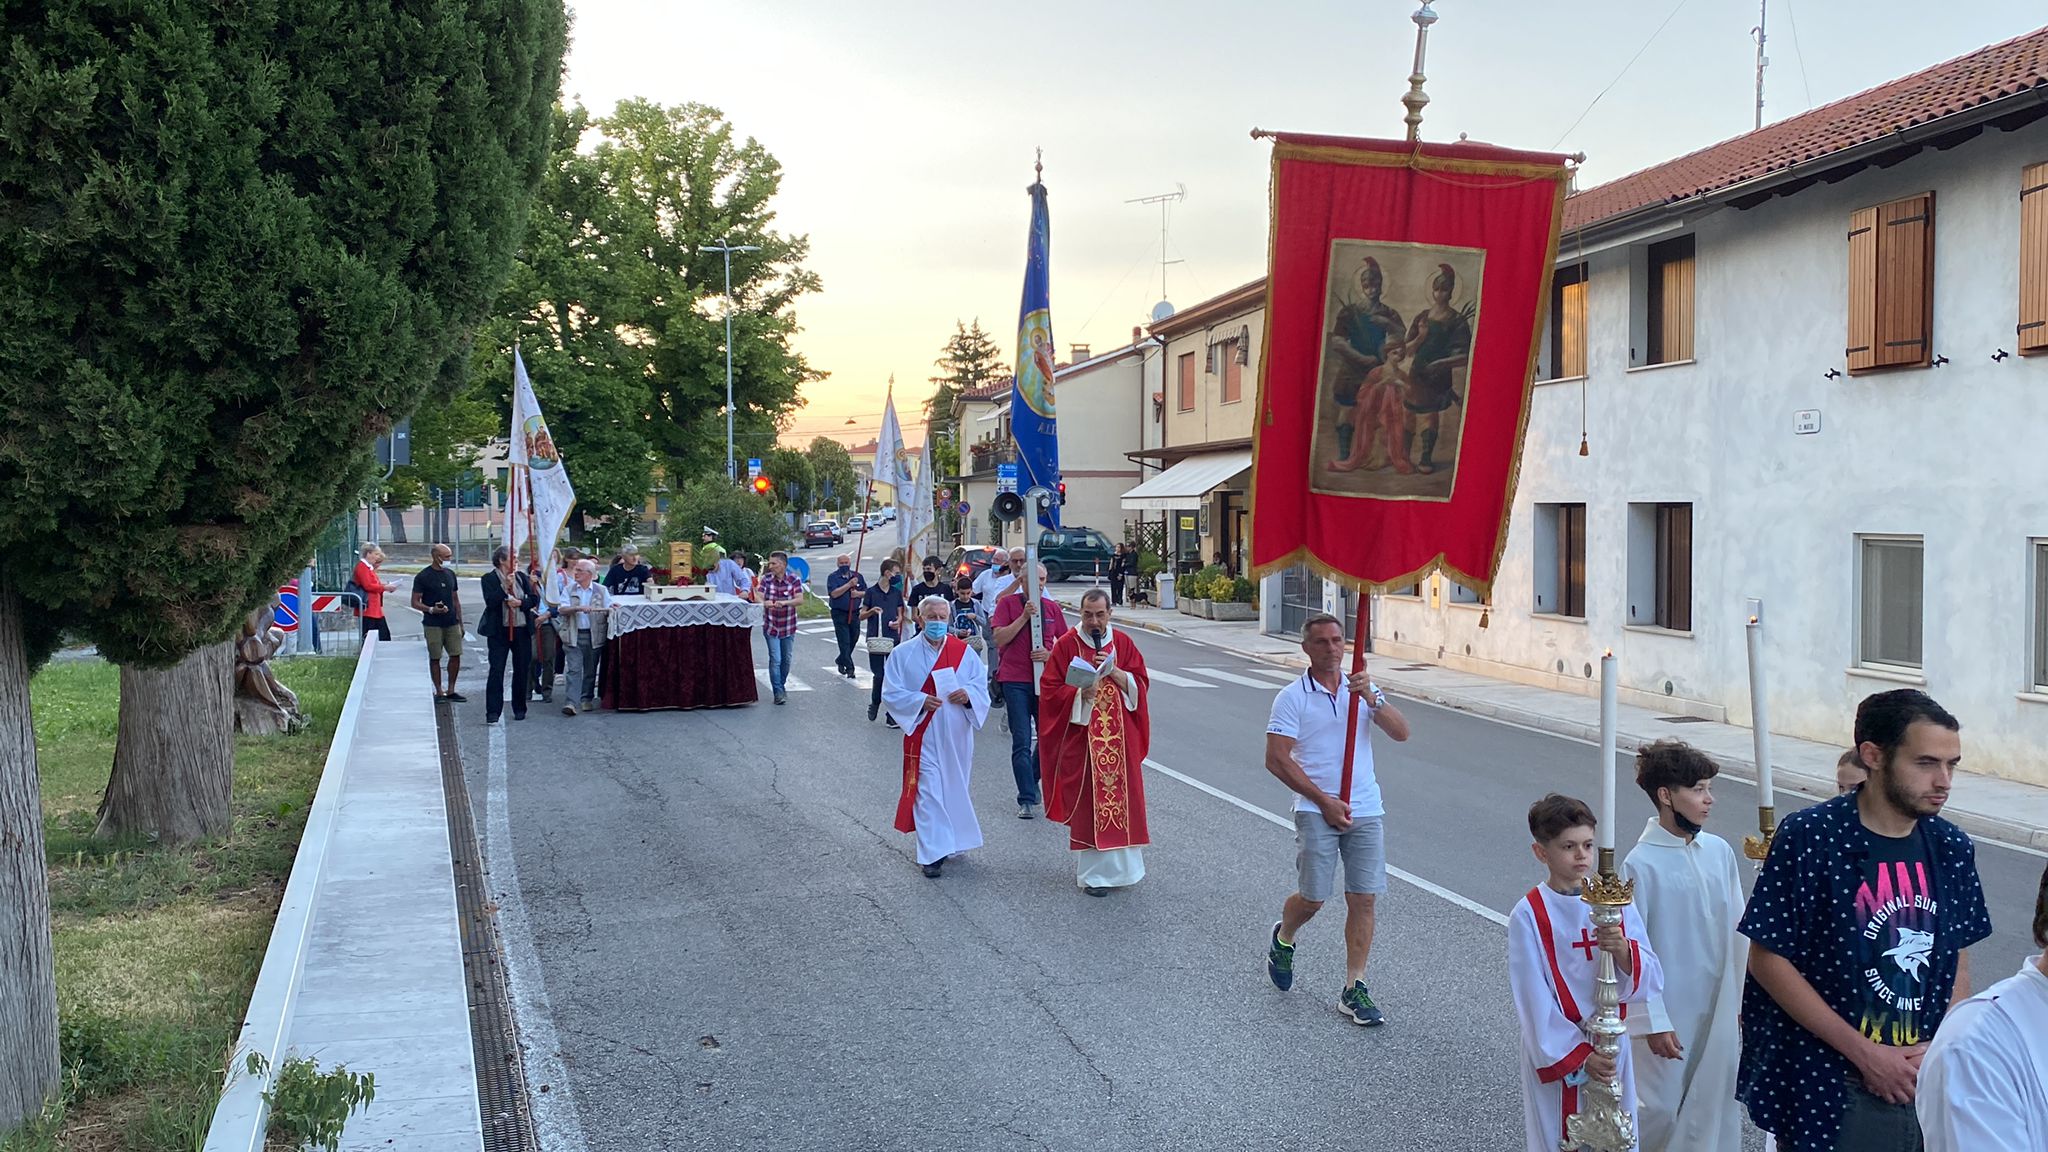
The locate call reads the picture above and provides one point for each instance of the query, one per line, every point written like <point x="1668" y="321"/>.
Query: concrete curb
<point x="241" y="1118"/>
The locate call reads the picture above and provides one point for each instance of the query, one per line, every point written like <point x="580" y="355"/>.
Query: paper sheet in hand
<point x="945" y="681"/>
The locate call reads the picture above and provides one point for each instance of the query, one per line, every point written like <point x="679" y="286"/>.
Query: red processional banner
<point x="1404" y="298"/>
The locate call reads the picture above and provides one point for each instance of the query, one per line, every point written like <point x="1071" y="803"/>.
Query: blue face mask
<point x="935" y="629"/>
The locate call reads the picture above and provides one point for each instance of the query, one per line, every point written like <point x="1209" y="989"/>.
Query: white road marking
<point x="555" y="1118"/>
<point x="1434" y="889"/>
<point x="1160" y="677"/>
<point x="789" y="683"/>
<point x="1234" y="678"/>
<point x="861" y="676"/>
<point x="825" y="631"/>
<point x="1283" y="675"/>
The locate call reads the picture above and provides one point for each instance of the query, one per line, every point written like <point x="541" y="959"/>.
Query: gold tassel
<point x="1582" y="445"/>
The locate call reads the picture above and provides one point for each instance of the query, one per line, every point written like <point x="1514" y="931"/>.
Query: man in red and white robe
<point x="936" y="690"/>
<point x="1092" y="739"/>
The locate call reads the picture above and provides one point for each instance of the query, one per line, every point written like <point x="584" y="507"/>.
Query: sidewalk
<point x="1984" y="806"/>
<point x="365" y="965"/>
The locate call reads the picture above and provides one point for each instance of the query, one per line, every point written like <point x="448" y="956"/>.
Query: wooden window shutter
<point x="1671" y="300"/>
<point x="1862" y="349"/>
<point x="2033" y="330"/>
<point x="1905" y="281"/>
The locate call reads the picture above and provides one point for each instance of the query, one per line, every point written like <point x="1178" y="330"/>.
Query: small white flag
<point x="544" y="505"/>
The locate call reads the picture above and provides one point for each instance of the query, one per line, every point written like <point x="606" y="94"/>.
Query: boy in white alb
<point x="1552" y="967"/>
<point x="1686" y="1041"/>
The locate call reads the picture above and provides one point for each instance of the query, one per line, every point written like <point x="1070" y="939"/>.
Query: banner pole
<point x="1361" y="631"/>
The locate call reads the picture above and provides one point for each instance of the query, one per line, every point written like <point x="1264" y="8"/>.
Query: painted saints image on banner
<point x="1390" y="393"/>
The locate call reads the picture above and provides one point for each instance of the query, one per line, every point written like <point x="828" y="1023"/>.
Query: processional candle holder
<point x="1602" y="1122"/>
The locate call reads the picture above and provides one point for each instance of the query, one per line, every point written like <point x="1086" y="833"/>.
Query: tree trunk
<point x="174" y="754"/>
<point x="28" y="978"/>
<point x="397" y="518"/>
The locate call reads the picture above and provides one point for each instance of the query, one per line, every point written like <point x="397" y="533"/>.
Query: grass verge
<point x="157" y="948"/>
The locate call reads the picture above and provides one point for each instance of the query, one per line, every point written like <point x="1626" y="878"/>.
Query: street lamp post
<point x="726" y="246"/>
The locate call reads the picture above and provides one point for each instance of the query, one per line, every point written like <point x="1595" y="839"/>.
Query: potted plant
<point x="1238" y="601"/>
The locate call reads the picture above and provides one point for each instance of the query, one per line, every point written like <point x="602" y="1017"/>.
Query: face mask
<point x="935" y="630"/>
<point x="1691" y="829"/>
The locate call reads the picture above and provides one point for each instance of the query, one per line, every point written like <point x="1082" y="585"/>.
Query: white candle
<point x="1759" y="714"/>
<point x="1609" y="709"/>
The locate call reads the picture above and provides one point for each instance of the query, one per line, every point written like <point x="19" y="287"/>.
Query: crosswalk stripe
<point x="825" y="631"/>
<point x="1177" y="681"/>
<point x="1233" y="678"/>
<point x="790" y="683"/>
<point x="1280" y="674"/>
<point x="861" y="676"/>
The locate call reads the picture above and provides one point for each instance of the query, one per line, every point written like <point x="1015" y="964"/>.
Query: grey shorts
<point x="1362" y="847"/>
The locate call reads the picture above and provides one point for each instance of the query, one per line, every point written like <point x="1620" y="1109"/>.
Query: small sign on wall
<point x="1806" y="422"/>
<point x="1187" y="523"/>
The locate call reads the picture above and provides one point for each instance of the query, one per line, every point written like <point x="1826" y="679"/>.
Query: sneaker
<point x="931" y="870"/>
<point x="519" y="715"/>
<point x="782" y="697"/>
<point x="872" y="710"/>
<point x="1280" y="961"/>
<point x="456" y="698"/>
<point x="568" y="709"/>
<point x="891" y="722"/>
<point x="1357" y="1003"/>
<point x="1026" y="811"/>
<point x="490" y="720"/>
<point x="1094" y="891"/>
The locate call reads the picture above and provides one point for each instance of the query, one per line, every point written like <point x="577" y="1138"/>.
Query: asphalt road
<point x="717" y="940"/>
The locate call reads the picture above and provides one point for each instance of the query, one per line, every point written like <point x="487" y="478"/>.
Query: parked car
<point x="1074" y="551"/>
<point x="857" y="523"/>
<point x="823" y="532"/>
<point x="888" y="515"/>
<point x="974" y="559"/>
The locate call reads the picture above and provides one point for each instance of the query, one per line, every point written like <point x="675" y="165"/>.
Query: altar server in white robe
<point x="1686" y="1041"/>
<point x="1553" y="964"/>
<point x="1984" y="1081"/>
<point x="936" y="689"/>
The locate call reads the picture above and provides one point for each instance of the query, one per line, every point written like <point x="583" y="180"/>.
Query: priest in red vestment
<point x="1094" y="726"/>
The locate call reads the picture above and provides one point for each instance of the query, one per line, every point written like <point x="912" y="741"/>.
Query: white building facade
<point x="1821" y="385"/>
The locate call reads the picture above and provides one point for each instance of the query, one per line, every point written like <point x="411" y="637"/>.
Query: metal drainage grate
<point x="500" y="1082"/>
<point x="1685" y="719"/>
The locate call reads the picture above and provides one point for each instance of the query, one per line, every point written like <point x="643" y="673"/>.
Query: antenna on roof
<point x="1180" y="192"/>
<point x="1763" y="9"/>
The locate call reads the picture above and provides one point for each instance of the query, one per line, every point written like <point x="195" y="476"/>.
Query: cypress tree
<point x="238" y="240"/>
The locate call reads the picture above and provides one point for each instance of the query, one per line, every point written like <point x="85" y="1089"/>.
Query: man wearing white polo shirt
<point x="1305" y="749"/>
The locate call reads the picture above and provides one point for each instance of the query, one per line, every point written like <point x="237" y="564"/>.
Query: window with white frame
<point x="1891" y="603"/>
<point x="2040" y="637"/>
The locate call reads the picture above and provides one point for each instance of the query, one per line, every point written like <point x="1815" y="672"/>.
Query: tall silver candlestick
<point x="1602" y="1123"/>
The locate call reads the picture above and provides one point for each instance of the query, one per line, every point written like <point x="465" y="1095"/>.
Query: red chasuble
<point x="1091" y="773"/>
<point x="913" y="740"/>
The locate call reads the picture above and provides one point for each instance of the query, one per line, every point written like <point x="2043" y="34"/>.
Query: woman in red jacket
<point x="373" y="592"/>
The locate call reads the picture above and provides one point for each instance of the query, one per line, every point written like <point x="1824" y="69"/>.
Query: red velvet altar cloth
<point x="1403" y="302"/>
<point x="701" y="666"/>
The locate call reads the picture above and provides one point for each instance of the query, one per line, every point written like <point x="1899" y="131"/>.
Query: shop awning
<point x="1184" y="484"/>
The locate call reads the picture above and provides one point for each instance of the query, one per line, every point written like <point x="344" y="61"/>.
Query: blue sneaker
<point x="1357" y="1003"/>
<point x="1279" y="961"/>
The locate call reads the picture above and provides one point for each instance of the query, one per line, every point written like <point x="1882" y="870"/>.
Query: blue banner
<point x="1032" y="422"/>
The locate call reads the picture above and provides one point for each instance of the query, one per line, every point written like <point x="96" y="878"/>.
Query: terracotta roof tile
<point x="1988" y="74"/>
<point x="993" y="390"/>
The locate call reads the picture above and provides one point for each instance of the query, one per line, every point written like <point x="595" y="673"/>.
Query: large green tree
<point x="621" y="313"/>
<point x="969" y="360"/>
<point x="837" y="479"/>
<point x="241" y="240"/>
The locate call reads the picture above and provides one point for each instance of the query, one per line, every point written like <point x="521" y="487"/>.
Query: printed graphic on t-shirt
<point x="1896" y="914"/>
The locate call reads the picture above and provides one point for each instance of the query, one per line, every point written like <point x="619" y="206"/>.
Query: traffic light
<point x="763" y="485"/>
<point x="1062" y="489"/>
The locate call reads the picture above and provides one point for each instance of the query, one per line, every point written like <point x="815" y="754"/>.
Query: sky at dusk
<point x="906" y="129"/>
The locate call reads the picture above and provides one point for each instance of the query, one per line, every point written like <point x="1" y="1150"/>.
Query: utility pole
<point x="726" y="246"/>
